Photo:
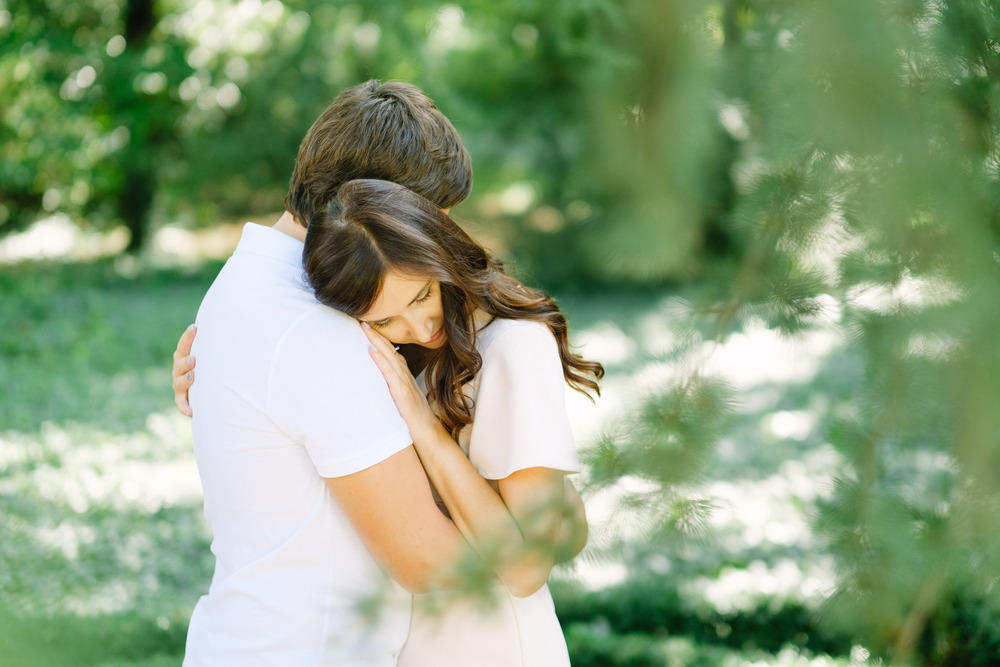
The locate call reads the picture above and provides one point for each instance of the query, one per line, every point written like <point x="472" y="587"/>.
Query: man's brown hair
<point x="390" y="131"/>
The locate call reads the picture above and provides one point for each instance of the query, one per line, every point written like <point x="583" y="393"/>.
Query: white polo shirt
<point x="286" y="394"/>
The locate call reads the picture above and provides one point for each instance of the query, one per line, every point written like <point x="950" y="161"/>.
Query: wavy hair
<point x="372" y="226"/>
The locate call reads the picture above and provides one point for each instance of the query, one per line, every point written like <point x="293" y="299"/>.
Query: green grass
<point x="104" y="551"/>
<point x="82" y="641"/>
<point x="93" y="569"/>
<point x="82" y="343"/>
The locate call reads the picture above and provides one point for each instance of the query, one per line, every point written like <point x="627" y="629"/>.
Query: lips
<point x="437" y="335"/>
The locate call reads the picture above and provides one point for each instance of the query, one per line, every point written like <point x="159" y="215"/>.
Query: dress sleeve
<point x="326" y="393"/>
<point x="520" y="407"/>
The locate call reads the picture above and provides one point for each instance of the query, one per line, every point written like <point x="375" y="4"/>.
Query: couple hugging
<point x="377" y="405"/>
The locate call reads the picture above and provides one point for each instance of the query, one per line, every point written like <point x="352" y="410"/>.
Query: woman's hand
<point x="518" y="530"/>
<point x="409" y="399"/>
<point x="183" y="371"/>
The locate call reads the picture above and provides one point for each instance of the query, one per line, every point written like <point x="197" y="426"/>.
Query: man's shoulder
<point x="270" y="314"/>
<point x="324" y="328"/>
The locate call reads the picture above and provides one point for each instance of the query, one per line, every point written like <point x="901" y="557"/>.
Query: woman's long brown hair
<point x="373" y="226"/>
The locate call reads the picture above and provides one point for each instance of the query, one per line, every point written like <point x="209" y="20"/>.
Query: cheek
<point x="396" y="334"/>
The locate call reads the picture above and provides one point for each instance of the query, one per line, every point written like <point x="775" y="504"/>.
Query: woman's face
<point x="408" y="310"/>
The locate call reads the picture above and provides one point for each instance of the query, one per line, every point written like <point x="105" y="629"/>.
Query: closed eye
<point x="426" y="295"/>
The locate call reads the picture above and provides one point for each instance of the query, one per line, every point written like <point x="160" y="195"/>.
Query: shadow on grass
<point x="82" y="342"/>
<point x="100" y="563"/>
<point x="84" y="641"/>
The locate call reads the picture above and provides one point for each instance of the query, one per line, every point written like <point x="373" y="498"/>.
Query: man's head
<point x="390" y="131"/>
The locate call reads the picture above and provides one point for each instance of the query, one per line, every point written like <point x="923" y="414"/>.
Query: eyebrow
<point x="426" y="288"/>
<point x="421" y="293"/>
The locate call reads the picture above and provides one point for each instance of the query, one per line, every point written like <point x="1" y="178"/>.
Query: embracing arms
<point x="535" y="521"/>
<point x="389" y="502"/>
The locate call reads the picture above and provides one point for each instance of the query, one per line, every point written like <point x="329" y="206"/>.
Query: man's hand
<point x="184" y="370"/>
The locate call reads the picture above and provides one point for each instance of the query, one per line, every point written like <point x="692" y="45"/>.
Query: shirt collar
<point x="271" y="243"/>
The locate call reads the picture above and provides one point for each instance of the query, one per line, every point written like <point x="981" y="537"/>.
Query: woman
<point x="492" y="357"/>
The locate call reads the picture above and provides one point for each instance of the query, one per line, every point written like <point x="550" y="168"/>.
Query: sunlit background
<point x="777" y="224"/>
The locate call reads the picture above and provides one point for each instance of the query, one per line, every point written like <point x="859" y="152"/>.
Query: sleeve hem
<point x="371" y="456"/>
<point x="502" y="473"/>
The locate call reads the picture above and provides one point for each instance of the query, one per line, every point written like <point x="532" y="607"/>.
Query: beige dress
<point x="520" y="421"/>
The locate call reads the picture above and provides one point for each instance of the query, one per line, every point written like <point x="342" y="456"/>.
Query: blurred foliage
<point x="859" y="190"/>
<point x="653" y="606"/>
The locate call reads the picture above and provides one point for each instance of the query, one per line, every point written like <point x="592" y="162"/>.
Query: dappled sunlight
<point x="753" y="361"/>
<point x="792" y="657"/>
<point x="58" y="237"/>
<point x="81" y="466"/>
<point x="790" y="424"/>
<point x="766" y="515"/>
<point x="598" y="573"/>
<point x="606" y="342"/>
<point x="110" y="514"/>
<point x="776" y="224"/>
<point x="737" y="589"/>
<point x="910" y="292"/>
<point x="759" y="355"/>
<point x="174" y="244"/>
<point x="613" y="516"/>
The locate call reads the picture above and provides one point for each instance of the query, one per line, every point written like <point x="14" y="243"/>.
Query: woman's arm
<point x="518" y="530"/>
<point x="574" y="529"/>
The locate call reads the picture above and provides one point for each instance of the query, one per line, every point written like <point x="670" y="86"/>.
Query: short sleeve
<point x="326" y="393"/>
<point x="520" y="405"/>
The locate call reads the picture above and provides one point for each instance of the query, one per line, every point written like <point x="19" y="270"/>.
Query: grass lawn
<point x="105" y="553"/>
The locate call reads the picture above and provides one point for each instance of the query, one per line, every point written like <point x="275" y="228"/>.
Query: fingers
<point x="385" y="367"/>
<point x="384" y="355"/>
<point x="183" y="370"/>
<point x="185" y="341"/>
<point x="380" y="342"/>
<point x="384" y="347"/>
<point x="182" y="366"/>
<point x="183" y="361"/>
<point x="181" y="385"/>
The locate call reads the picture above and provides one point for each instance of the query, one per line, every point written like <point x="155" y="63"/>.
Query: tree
<point x="859" y="184"/>
<point x="90" y="106"/>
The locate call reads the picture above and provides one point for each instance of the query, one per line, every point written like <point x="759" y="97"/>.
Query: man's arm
<point x="391" y="507"/>
<point x="183" y="371"/>
<point x="389" y="504"/>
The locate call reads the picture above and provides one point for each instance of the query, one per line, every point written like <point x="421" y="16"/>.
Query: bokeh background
<point x="777" y="223"/>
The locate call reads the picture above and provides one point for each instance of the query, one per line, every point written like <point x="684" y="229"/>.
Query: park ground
<point x="105" y="551"/>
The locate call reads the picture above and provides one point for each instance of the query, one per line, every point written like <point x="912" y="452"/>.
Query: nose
<point x="421" y="326"/>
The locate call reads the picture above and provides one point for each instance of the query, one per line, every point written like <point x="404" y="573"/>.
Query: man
<point x="312" y="489"/>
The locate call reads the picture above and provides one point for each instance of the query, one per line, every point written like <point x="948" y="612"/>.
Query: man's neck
<point x="286" y="225"/>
